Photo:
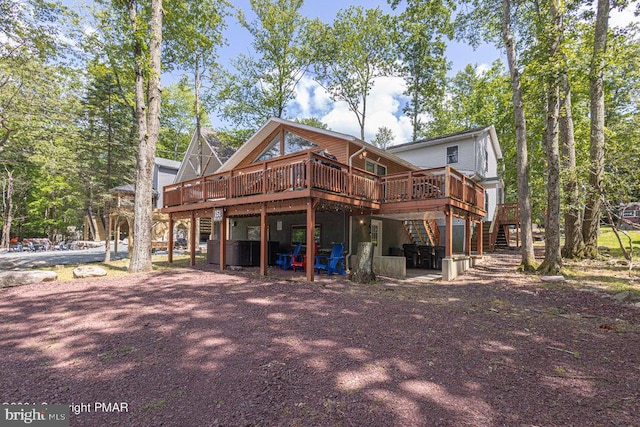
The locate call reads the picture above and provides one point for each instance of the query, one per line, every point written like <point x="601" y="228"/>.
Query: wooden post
<point x="410" y="186"/>
<point x="170" y="244"/>
<point x="447" y="181"/>
<point x="223" y="241"/>
<point x="130" y="238"/>
<point x="116" y="237"/>
<point x="311" y="227"/>
<point x="480" y="237"/>
<point x="467" y="235"/>
<point x="448" y="233"/>
<point x="263" y="240"/>
<point x="192" y="239"/>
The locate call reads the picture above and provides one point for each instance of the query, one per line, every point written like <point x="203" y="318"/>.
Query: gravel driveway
<point x="192" y="347"/>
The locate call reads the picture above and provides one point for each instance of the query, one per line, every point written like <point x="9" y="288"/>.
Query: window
<point x="299" y="234"/>
<point x="452" y="154"/>
<point x="486" y="160"/>
<point x="629" y="214"/>
<point x="294" y="143"/>
<point x="272" y="150"/>
<point x="376" y="168"/>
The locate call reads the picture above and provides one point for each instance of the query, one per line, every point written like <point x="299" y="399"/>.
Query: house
<point x="292" y="183"/>
<point x="203" y="157"/>
<point x="121" y="209"/>
<point x="475" y="152"/>
<point x="629" y="216"/>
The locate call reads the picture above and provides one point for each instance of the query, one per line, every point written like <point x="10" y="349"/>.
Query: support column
<point x="116" y="237"/>
<point x="448" y="233"/>
<point x="480" y="237"/>
<point x="223" y="241"/>
<point x="467" y="235"/>
<point x="311" y="227"/>
<point x="170" y="244"/>
<point x="130" y="238"/>
<point x="263" y="240"/>
<point x="192" y="239"/>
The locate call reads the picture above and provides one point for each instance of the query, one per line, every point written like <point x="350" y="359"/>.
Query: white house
<point x="474" y="152"/>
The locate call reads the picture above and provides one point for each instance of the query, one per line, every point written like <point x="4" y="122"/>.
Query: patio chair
<point x="300" y="260"/>
<point x="334" y="263"/>
<point x="284" y="259"/>
<point x="411" y="254"/>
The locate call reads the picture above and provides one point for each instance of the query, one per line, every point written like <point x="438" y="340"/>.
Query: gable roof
<point x="170" y="164"/>
<point x="273" y="123"/>
<point x="214" y="154"/>
<point x="452" y="137"/>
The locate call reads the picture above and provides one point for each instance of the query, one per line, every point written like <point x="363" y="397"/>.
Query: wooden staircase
<point x="422" y="232"/>
<point x="496" y="233"/>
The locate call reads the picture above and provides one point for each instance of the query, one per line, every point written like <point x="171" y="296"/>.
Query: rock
<point x="17" y="278"/>
<point x="604" y="249"/>
<point x="235" y="268"/>
<point x="622" y="296"/>
<point x="552" y="279"/>
<point x="88" y="271"/>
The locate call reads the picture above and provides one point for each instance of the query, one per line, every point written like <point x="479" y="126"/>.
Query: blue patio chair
<point x="284" y="259"/>
<point x="334" y="263"/>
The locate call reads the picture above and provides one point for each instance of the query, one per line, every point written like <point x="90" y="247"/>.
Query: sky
<point x="384" y="105"/>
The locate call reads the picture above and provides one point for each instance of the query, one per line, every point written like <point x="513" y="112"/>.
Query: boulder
<point x="622" y="296"/>
<point x="88" y="271"/>
<point x="17" y="278"/>
<point x="552" y="278"/>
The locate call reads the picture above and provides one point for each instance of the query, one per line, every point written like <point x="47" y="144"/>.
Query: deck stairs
<point x="422" y="232"/>
<point x="496" y="234"/>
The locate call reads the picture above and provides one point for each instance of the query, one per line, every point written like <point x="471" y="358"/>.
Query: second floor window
<point x="374" y="167"/>
<point x="452" y="154"/>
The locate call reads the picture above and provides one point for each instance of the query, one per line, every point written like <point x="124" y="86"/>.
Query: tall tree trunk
<point x="149" y="125"/>
<point x="573" y="243"/>
<point x="524" y="201"/>
<point x="198" y="118"/>
<point x="7" y="201"/>
<point x="593" y="207"/>
<point x="552" y="258"/>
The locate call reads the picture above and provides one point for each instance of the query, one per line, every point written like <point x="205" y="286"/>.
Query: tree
<point x="593" y="207"/>
<point x="421" y="29"/>
<point x="263" y="84"/>
<point x="147" y="114"/>
<point x="351" y="54"/>
<point x="177" y="121"/>
<point x="193" y="31"/>
<point x="551" y="39"/>
<point x="524" y="201"/>
<point x="384" y="137"/>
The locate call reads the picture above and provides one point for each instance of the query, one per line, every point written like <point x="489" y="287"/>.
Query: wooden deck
<point x="308" y="174"/>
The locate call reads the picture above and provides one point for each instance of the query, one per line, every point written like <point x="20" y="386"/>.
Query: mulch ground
<point x="192" y="347"/>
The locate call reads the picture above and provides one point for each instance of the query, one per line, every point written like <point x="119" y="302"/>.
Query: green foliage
<point x="420" y="37"/>
<point x="384" y="137"/>
<point x="177" y="121"/>
<point x="353" y="52"/>
<point x="263" y="84"/>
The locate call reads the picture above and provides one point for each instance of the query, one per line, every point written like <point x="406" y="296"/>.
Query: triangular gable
<point x="318" y="139"/>
<point x="213" y="156"/>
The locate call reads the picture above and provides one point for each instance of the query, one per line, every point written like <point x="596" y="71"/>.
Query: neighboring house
<point x="291" y="183"/>
<point x="203" y="157"/>
<point x="475" y="152"/>
<point x="121" y="210"/>
<point x="164" y="173"/>
<point x="629" y="215"/>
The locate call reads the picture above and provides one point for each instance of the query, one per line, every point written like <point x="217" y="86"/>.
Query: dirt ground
<point x="192" y="347"/>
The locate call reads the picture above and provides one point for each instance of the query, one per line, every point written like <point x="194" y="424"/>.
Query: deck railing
<point x="311" y="170"/>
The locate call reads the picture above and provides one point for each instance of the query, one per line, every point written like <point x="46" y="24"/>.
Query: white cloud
<point x="383" y="108"/>
<point x="622" y="18"/>
<point x="482" y="68"/>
